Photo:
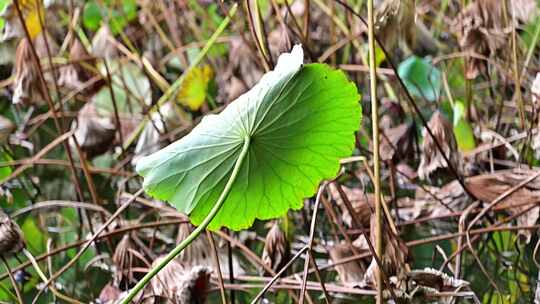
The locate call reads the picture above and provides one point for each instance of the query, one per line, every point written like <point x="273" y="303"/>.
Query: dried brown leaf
<point x="488" y="187"/>
<point x="361" y="202"/>
<point x="480" y="29"/>
<point x="74" y="75"/>
<point x="166" y="119"/>
<point x="430" y="282"/>
<point x="524" y="10"/>
<point x="431" y="158"/>
<point x="94" y="133"/>
<point x="27" y="87"/>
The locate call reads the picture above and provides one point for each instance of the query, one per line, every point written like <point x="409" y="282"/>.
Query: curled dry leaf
<point x="180" y="284"/>
<point x="361" y="202"/>
<point x="430" y="282"/>
<point x="480" y="30"/>
<point x="439" y="280"/>
<point x="431" y="158"/>
<point x="350" y="273"/>
<point x="435" y="201"/>
<point x="11" y="236"/>
<point x="487" y="187"/>
<point x="276" y="250"/>
<point x="94" y="133"/>
<point x="27" y="87"/>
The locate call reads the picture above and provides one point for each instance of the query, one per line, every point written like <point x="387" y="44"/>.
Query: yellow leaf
<point x="195" y="87"/>
<point x="32" y="10"/>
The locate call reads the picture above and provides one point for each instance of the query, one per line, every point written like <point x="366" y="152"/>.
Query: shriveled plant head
<point x="276" y="251"/>
<point x="394" y="21"/>
<point x="180" y="284"/>
<point x="127" y="257"/>
<point x="11" y="236"/>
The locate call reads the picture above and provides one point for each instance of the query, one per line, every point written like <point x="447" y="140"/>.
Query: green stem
<point x="376" y="164"/>
<point x="193" y="235"/>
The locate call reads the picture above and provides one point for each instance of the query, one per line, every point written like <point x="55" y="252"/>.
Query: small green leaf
<point x="130" y="9"/>
<point x="5" y="171"/>
<point x="300" y="120"/>
<point x="462" y="128"/>
<point x="3" y="4"/>
<point x="33" y="235"/>
<point x="91" y="16"/>
<point x="421" y="78"/>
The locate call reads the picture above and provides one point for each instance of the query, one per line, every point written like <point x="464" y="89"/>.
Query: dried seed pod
<point x="431" y="158"/>
<point x="197" y="253"/>
<point x="11" y="236"/>
<point x="126" y="257"/>
<point x="180" y="284"/>
<point x="394" y="20"/>
<point x="395" y="255"/>
<point x="276" y="250"/>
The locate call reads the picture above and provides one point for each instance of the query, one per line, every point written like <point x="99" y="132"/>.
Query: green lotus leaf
<point x="300" y="120"/>
<point x="421" y="77"/>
